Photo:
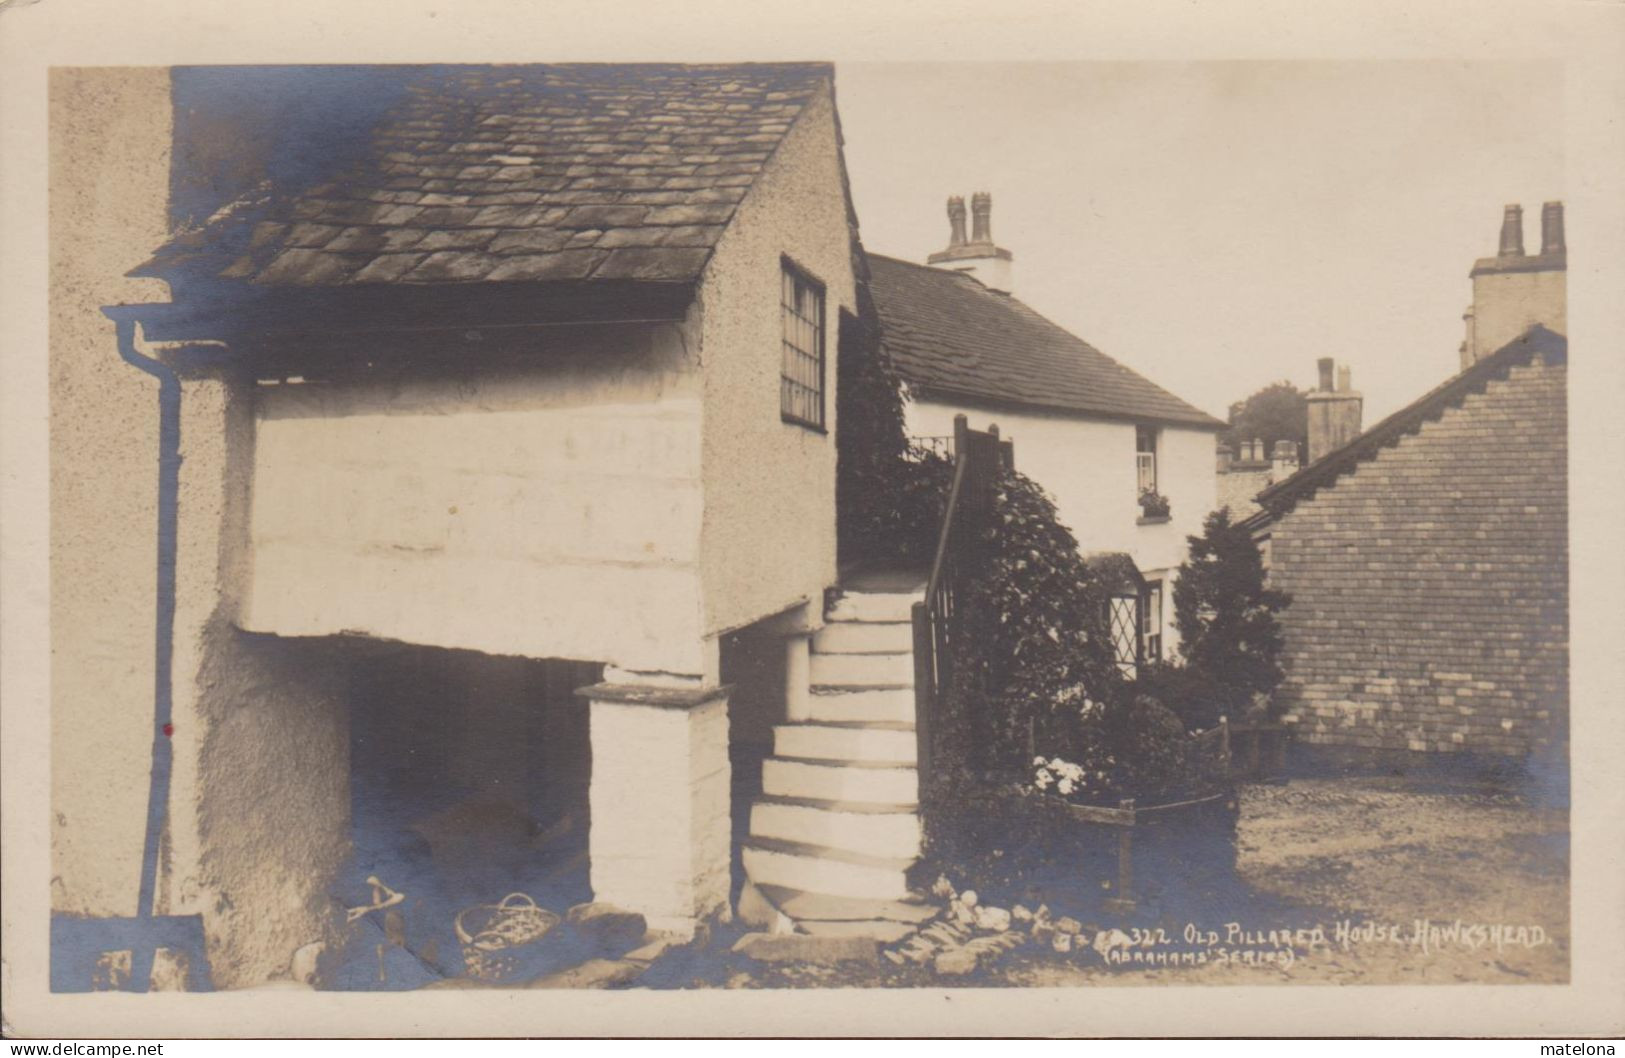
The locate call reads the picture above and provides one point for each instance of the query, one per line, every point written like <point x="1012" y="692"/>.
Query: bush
<point x="1034" y="650"/>
<point x="1230" y="640"/>
<point x="1183" y="690"/>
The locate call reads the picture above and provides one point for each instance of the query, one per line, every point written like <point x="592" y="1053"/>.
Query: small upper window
<point x="801" y="370"/>
<point x="1145" y="457"/>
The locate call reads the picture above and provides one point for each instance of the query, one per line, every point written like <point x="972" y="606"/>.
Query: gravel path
<point x="1369" y="853"/>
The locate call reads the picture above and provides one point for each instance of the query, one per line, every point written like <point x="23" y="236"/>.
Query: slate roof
<point x="1281" y="497"/>
<point x="949" y="335"/>
<point x="521" y="173"/>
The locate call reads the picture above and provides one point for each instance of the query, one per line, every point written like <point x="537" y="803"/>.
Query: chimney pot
<point x="956" y="221"/>
<point x="1325" y="365"/>
<point x="981" y="207"/>
<point x="1224" y="455"/>
<point x="1512" y="232"/>
<point x="1343" y="378"/>
<point x="1551" y="228"/>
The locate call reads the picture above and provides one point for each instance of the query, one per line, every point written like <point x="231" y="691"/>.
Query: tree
<point x="1278" y="412"/>
<point x="1226" y="616"/>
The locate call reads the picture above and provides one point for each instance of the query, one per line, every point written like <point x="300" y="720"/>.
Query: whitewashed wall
<point x="258" y="810"/>
<point x="1088" y="466"/>
<point x="548" y="511"/>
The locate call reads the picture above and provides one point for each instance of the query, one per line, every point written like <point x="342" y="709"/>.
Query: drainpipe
<point x="169" y="473"/>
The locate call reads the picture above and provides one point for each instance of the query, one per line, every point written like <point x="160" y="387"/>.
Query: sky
<point x="1220" y="226"/>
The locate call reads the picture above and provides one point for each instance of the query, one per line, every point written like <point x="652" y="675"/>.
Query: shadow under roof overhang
<point x="329" y="331"/>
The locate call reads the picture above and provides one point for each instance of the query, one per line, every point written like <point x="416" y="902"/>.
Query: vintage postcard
<point x="679" y="529"/>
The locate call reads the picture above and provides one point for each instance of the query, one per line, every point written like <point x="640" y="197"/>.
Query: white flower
<point x="1044" y="780"/>
<point x="1065" y="786"/>
<point x="1038" y="762"/>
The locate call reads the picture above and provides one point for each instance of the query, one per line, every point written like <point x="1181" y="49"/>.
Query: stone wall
<point x="1430" y="585"/>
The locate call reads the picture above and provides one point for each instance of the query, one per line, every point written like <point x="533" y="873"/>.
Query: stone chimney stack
<point x="1513" y="291"/>
<point x="977" y="256"/>
<point x="981" y="210"/>
<point x="1334" y="410"/>
<point x="956" y="222"/>
<point x="1551" y="229"/>
<point x="1284" y="460"/>
<point x="1512" y="232"/>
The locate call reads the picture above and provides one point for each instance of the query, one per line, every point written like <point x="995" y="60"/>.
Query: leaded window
<point x="801" y="371"/>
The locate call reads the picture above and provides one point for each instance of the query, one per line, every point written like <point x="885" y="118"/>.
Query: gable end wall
<point x="1430" y="586"/>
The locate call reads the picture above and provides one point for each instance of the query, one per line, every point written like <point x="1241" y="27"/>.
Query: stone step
<point x="883" y="930"/>
<point x="818" y="869"/>
<point x="889" y="607"/>
<point x="863" y="670"/>
<point x="799" y="904"/>
<point x="894" y="834"/>
<point x="868" y="705"/>
<point x="864" y="637"/>
<point x="892" y="742"/>
<point x="840" y="781"/>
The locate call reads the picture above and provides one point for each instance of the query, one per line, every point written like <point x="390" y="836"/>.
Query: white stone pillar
<point x="660" y="834"/>
<point x="798" y="677"/>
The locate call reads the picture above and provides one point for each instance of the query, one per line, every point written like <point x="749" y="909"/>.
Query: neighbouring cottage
<point x="1333" y="411"/>
<point x="481" y="420"/>
<point x="1427" y="558"/>
<point x="1094" y="433"/>
<point x="1247" y="471"/>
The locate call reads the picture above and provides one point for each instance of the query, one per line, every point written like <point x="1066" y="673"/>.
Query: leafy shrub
<point x="1183" y="690"/>
<point x="872" y="464"/>
<point x="1226" y="617"/>
<point x="1138" y="749"/>
<point x="1034" y="650"/>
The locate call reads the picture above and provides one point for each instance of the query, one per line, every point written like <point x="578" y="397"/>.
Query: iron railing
<point x="978" y="458"/>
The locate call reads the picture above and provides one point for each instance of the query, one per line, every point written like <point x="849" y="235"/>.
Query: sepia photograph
<point x="690" y="526"/>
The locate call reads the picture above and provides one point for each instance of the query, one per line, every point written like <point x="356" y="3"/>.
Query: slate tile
<point x="710" y="213"/>
<point x="644" y="235"/>
<point x="308" y="268"/>
<point x="452" y="266"/>
<point x="456" y="239"/>
<point x="532" y="241"/>
<point x="566" y="264"/>
<point x="388" y="268"/>
<point x="652" y="263"/>
<point x="359" y="240"/>
<point x="311" y="236"/>
<point x="445" y="216"/>
<point x="604" y="216"/>
<point x="692" y="235"/>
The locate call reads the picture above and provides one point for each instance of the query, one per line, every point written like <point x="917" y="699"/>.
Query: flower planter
<point x="1174" y="827"/>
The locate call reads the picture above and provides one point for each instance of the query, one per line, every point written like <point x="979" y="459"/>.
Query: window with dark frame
<point x="1151" y="618"/>
<point x="1145" y="458"/>
<point x="801" y="370"/>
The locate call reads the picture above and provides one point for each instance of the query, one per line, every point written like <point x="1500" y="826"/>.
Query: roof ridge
<point x="1281" y="497"/>
<point x="999" y="348"/>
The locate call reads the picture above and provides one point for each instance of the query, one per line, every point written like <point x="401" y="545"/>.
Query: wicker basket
<point x="503" y="941"/>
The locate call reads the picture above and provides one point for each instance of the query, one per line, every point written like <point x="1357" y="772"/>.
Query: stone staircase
<point x="838" y="823"/>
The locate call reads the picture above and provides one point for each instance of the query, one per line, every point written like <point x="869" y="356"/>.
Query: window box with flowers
<point x="1154" y="507"/>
